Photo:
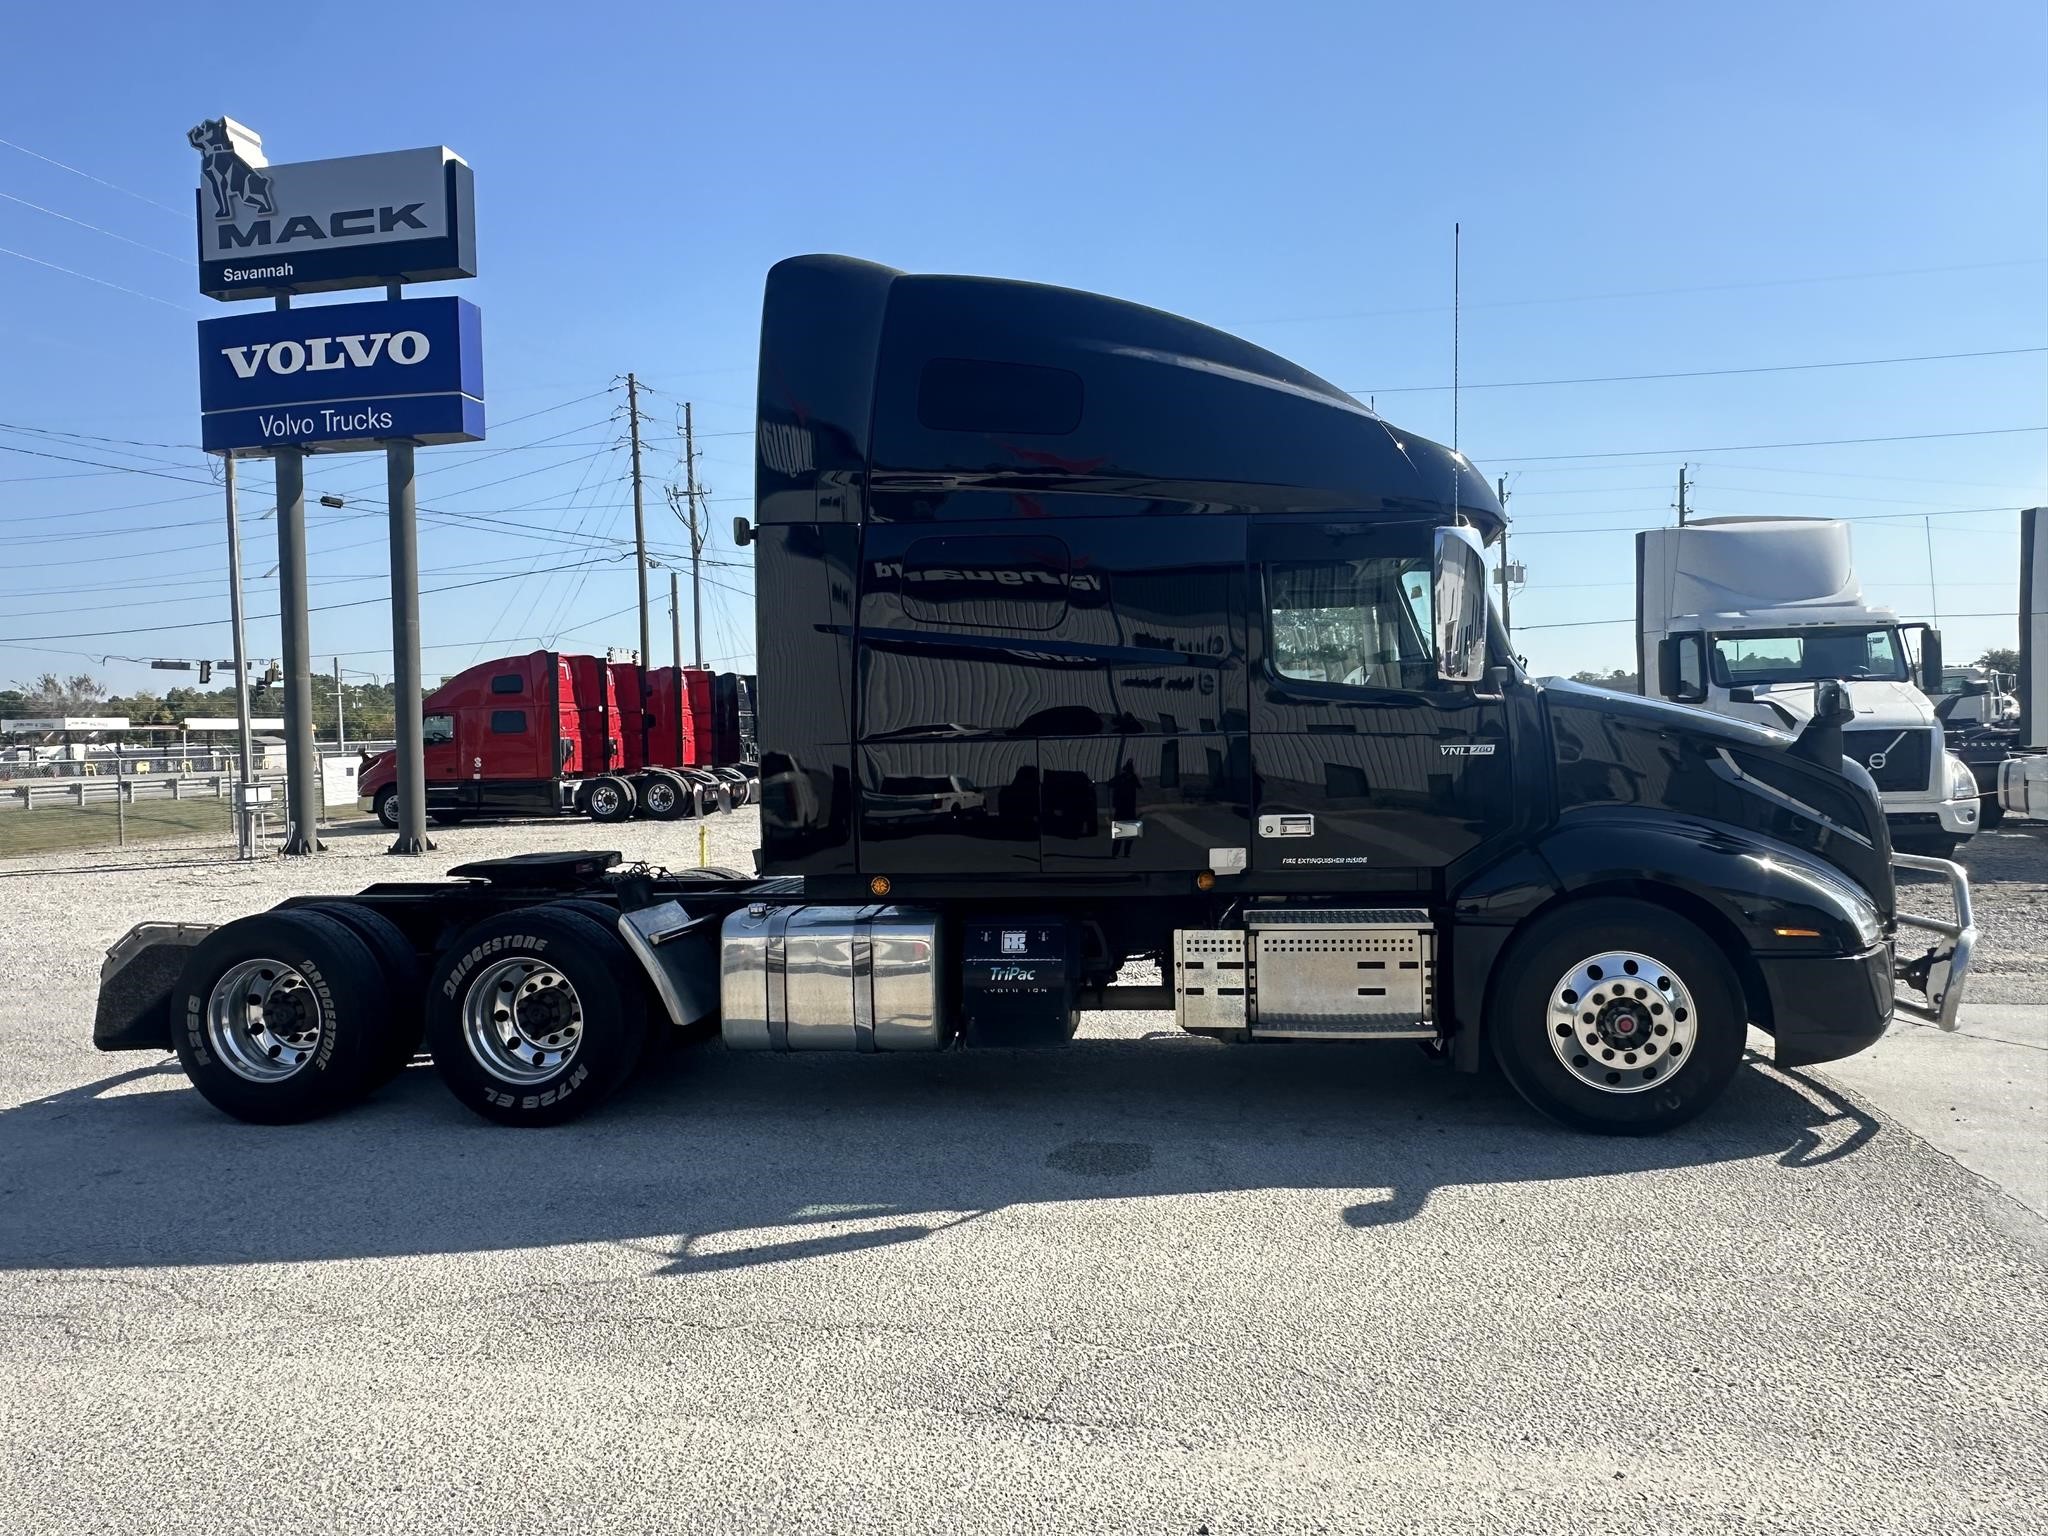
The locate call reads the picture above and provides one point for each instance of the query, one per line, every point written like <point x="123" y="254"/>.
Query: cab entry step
<point x="1324" y="974"/>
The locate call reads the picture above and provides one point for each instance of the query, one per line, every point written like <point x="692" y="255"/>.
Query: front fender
<point x="1777" y="899"/>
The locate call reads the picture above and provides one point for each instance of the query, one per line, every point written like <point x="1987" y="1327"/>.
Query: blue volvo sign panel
<point x="342" y="377"/>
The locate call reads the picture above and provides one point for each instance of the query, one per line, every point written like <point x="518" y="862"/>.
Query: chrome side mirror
<point x="1459" y="606"/>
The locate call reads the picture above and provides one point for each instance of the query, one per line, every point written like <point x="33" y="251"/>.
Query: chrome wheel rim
<point x="1622" y="1022"/>
<point x="661" y="796"/>
<point x="263" y="1020"/>
<point x="604" y="800"/>
<point x="390" y="816"/>
<point x="522" y="1020"/>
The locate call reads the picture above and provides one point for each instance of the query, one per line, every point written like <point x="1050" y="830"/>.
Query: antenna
<point x="1457" y="286"/>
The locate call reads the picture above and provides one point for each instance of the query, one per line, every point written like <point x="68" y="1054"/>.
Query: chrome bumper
<point x="1939" y="974"/>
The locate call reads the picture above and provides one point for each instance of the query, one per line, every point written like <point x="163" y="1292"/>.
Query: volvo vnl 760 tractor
<point x="1090" y="639"/>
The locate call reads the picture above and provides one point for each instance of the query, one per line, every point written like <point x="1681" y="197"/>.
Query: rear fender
<point x="135" y="986"/>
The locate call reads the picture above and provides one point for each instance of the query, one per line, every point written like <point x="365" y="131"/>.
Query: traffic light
<point x="205" y="673"/>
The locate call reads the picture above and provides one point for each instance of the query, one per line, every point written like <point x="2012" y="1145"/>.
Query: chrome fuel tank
<point x="831" y="979"/>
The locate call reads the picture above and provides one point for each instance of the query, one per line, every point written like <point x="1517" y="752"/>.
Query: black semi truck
<point x="1090" y="636"/>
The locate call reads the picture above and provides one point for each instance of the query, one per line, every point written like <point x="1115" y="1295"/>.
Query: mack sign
<point x="316" y="225"/>
<point x="341" y="377"/>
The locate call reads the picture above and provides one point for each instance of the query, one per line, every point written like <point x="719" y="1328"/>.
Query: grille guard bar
<point x="1939" y="976"/>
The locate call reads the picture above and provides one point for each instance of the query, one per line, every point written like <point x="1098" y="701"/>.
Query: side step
<point x="1310" y="974"/>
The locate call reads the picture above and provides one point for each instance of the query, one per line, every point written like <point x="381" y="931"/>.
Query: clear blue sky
<point x="1643" y="190"/>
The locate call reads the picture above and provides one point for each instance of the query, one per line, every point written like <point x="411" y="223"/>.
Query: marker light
<point x="879" y="886"/>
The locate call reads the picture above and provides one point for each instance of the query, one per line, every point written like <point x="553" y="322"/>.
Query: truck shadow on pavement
<point x="719" y="1161"/>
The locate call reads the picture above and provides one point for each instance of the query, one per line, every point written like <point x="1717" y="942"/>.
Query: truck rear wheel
<point x="1618" y="1017"/>
<point x="663" y="796"/>
<point x="535" y="1017"/>
<point x="280" y="1017"/>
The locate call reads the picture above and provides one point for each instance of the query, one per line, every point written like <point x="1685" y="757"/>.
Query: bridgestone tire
<point x="607" y="987"/>
<point x="387" y="808"/>
<point x="609" y="799"/>
<point x="405" y="984"/>
<point x="664" y="797"/>
<point x="1519" y="1019"/>
<point x="342" y="979"/>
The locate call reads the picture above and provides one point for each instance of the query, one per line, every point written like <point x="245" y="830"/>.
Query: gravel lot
<point x="1145" y="1285"/>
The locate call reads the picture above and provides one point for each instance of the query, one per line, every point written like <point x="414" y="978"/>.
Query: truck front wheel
<point x="387" y="806"/>
<point x="1617" y="1017"/>
<point x="535" y="1017"/>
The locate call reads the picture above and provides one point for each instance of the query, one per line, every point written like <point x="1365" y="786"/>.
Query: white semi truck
<point x="1747" y="616"/>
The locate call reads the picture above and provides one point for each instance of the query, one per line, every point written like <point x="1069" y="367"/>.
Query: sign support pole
<point x="245" y="812"/>
<point x="302" y="760"/>
<point x="405" y="651"/>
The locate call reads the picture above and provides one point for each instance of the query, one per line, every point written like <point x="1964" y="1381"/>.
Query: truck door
<point x="445" y="788"/>
<point x="1367" y="770"/>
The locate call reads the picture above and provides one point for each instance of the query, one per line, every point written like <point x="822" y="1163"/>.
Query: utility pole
<point x="340" y="726"/>
<point x="696" y="535"/>
<point x="1681" y="493"/>
<point x="639" y="517"/>
<point x="1500" y="488"/>
<point x="675" y="628"/>
<point x="245" y="786"/>
<point x="302" y="757"/>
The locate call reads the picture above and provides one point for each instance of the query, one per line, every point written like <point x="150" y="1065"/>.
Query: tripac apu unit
<point x="1017" y="981"/>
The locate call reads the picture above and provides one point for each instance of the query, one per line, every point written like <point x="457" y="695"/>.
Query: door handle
<point x="1287" y="826"/>
<point x="1119" y="830"/>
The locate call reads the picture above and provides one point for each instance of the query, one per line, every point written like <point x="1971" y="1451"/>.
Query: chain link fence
<point x="116" y="800"/>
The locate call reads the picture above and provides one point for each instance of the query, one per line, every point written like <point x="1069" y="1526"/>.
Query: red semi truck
<point x="550" y="733"/>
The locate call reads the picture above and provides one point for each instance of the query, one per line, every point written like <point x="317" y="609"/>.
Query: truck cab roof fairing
<point x="1076" y="404"/>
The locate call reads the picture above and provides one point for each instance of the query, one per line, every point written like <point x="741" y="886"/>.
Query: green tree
<point x="1619" y="680"/>
<point x="2001" y="658"/>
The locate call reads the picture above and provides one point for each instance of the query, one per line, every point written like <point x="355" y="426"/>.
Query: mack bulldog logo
<point x="231" y="160"/>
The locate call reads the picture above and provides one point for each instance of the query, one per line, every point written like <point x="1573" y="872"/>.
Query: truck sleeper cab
<point x="1089" y="636"/>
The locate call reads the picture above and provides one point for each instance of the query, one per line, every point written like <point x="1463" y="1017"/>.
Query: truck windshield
<point x="1807" y="656"/>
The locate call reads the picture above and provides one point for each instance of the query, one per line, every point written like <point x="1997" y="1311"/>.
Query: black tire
<point x="663" y="796"/>
<point x="333" y="1025"/>
<point x="1610" y="1071"/>
<point x="1990" y="812"/>
<point x="608" y="1027"/>
<point x="608" y="799"/>
<point x="386" y="806"/>
<point x="405" y="984"/>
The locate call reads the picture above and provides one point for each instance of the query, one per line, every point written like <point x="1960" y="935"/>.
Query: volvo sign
<point x="318" y="225"/>
<point x="338" y="377"/>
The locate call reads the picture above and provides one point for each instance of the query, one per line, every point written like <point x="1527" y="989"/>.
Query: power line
<point x="117" y="287"/>
<point x="88" y="175"/>
<point x="1658" y="293"/>
<point x="1818" y="442"/>
<point x="96" y="229"/>
<point x="1704" y="373"/>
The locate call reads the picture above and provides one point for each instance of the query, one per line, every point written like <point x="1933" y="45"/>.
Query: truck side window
<point x="437" y="728"/>
<point x="508" y="722"/>
<point x="508" y="682"/>
<point x="1357" y="623"/>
